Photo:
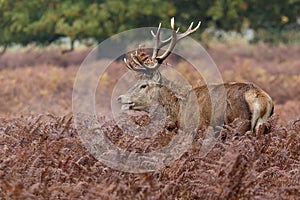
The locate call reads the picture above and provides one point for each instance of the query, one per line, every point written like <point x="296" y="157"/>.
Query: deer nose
<point x="119" y="99"/>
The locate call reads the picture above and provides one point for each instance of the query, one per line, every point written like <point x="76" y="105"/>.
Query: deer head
<point x="146" y="91"/>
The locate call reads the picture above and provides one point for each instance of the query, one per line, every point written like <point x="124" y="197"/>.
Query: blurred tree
<point x="227" y="14"/>
<point x="273" y="17"/>
<point x="269" y="16"/>
<point x="272" y="13"/>
<point x="187" y="11"/>
<point x="45" y="21"/>
<point x="24" y="22"/>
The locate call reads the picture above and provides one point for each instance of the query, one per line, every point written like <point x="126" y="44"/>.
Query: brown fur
<point x="239" y="103"/>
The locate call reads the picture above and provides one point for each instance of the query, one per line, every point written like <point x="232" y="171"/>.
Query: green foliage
<point x="44" y="21"/>
<point x="227" y="14"/>
<point x="274" y="20"/>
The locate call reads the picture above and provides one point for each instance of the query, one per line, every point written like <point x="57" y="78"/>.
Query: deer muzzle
<point x="126" y="103"/>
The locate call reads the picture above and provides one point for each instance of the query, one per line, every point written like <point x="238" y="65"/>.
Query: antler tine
<point x="140" y="66"/>
<point x="173" y="39"/>
<point x="166" y="41"/>
<point x="130" y="67"/>
<point x="188" y="31"/>
<point x="138" y="62"/>
<point x="156" y="41"/>
<point x="127" y="64"/>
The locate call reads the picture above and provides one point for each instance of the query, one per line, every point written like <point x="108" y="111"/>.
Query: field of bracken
<point x="42" y="156"/>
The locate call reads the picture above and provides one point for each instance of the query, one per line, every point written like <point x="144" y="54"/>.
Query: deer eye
<point x="143" y="86"/>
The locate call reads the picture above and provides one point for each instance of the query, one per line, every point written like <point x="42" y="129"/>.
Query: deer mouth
<point x="127" y="106"/>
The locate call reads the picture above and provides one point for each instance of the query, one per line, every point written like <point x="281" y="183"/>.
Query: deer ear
<point x="156" y="77"/>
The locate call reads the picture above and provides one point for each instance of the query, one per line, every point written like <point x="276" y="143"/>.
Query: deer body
<point x="217" y="104"/>
<point x="242" y="100"/>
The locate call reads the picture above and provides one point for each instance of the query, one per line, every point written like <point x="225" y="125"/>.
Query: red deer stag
<point x="242" y="100"/>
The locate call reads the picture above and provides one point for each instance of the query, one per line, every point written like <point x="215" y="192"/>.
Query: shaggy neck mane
<point x="168" y="99"/>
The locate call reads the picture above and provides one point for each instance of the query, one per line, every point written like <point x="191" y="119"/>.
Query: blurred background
<point x="43" y="42"/>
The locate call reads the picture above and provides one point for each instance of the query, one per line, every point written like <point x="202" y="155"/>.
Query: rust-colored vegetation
<point x="42" y="156"/>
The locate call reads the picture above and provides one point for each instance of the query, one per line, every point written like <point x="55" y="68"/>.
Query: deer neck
<point x="168" y="99"/>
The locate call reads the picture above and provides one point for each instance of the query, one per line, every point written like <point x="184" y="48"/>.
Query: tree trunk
<point x="69" y="50"/>
<point x="3" y="50"/>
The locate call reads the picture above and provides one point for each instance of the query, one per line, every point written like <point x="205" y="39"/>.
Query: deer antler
<point x="143" y="63"/>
